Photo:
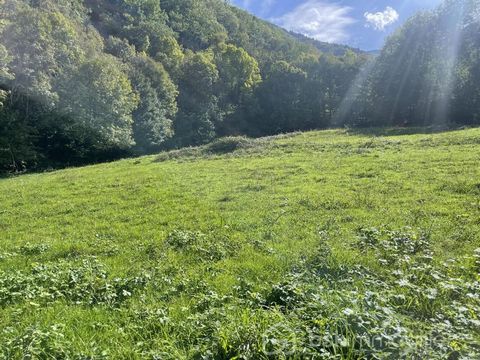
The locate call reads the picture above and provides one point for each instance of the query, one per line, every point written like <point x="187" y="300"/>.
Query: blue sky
<point x="359" y="23"/>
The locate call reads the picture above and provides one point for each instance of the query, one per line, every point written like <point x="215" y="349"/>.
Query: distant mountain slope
<point x="327" y="48"/>
<point x="374" y="52"/>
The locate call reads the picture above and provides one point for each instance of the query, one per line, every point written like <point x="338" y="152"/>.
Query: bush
<point x="228" y="145"/>
<point x="220" y="146"/>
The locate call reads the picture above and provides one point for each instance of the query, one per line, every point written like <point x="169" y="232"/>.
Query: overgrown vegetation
<point x="319" y="245"/>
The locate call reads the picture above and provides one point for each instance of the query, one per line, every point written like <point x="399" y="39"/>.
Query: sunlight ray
<point x="353" y="92"/>
<point x="448" y="58"/>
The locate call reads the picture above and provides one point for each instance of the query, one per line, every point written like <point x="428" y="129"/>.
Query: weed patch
<point x="83" y="283"/>
<point x="202" y="246"/>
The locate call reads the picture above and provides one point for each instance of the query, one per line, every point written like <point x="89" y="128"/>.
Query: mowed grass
<point x="254" y="252"/>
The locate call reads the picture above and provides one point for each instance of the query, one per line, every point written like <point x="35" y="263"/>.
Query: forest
<point x="86" y="81"/>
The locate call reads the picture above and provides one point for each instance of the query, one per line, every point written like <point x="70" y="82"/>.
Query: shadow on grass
<point x="401" y="131"/>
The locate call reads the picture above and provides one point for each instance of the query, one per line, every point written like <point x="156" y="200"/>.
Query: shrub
<point x="228" y="145"/>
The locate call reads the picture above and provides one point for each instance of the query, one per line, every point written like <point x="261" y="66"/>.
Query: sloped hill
<point x="328" y="48"/>
<point x="287" y="247"/>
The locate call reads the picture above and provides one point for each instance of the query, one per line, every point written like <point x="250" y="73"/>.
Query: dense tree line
<point x="90" y="80"/>
<point x="428" y="72"/>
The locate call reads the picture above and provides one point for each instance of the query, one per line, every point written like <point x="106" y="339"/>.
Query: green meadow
<point x="319" y="245"/>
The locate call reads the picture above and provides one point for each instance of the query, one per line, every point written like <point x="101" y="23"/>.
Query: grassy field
<point x="328" y="245"/>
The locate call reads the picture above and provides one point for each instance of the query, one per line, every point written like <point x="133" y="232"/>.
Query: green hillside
<point x="318" y="245"/>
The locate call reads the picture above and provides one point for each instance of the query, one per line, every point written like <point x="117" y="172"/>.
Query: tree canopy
<point x="88" y="80"/>
<point x="427" y="73"/>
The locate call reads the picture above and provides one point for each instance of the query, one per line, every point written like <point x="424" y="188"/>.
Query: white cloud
<point x="265" y="5"/>
<point x="245" y="4"/>
<point x="318" y="19"/>
<point x="380" y="20"/>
